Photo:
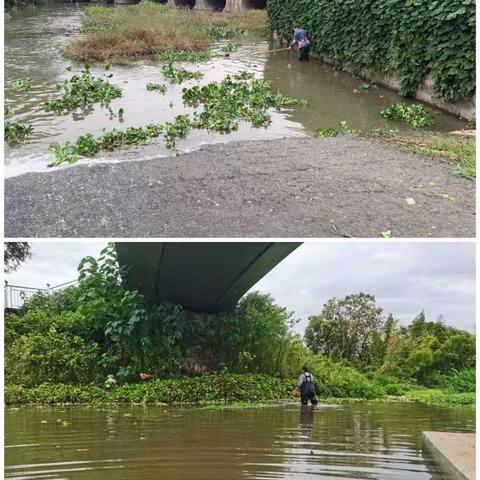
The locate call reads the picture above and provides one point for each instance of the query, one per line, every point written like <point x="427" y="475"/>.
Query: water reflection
<point x="364" y="441"/>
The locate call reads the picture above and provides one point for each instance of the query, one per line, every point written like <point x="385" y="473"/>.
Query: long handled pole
<point x="271" y="51"/>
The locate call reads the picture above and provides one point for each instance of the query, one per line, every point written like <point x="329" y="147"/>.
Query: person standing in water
<point x="306" y="387"/>
<point x="301" y="40"/>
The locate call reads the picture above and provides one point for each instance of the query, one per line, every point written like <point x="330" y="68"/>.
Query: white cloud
<point x="405" y="277"/>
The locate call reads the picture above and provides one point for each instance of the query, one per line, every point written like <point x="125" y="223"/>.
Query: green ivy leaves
<point x="412" y="38"/>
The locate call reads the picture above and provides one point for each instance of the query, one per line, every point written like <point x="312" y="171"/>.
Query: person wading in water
<point x="306" y="387"/>
<point x="301" y="40"/>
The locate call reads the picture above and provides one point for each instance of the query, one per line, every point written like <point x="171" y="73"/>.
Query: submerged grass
<point x="150" y="29"/>
<point x="455" y="149"/>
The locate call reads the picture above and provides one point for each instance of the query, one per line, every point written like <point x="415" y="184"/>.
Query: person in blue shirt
<point x="301" y="40"/>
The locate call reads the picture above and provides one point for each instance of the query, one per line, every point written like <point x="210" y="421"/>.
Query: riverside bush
<point x="461" y="381"/>
<point x="412" y="39"/>
<point x="37" y="357"/>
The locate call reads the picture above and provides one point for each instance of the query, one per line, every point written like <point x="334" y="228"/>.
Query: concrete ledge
<point x="453" y="452"/>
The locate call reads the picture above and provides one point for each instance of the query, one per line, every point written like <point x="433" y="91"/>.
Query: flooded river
<point x="35" y="36"/>
<point x="350" y="441"/>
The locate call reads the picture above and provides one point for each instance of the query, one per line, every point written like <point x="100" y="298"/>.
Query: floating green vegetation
<point x="184" y="56"/>
<point x="334" y="132"/>
<point x="387" y="234"/>
<point x="237" y="97"/>
<point x="179" y="75"/>
<point x="179" y="128"/>
<point x="218" y="32"/>
<point x="82" y="90"/>
<point x="16" y="132"/>
<point x="415" y="115"/>
<point x="22" y="85"/>
<point x="234" y="99"/>
<point x="7" y="17"/>
<point x="231" y="47"/>
<point x="118" y="114"/>
<point x="157" y="87"/>
<point x="87" y="145"/>
<point x="7" y="111"/>
<point x="364" y="88"/>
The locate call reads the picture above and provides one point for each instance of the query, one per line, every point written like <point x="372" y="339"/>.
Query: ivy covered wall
<point x="412" y="38"/>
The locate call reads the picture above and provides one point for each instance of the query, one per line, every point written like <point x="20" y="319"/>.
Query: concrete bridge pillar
<point x="240" y="5"/>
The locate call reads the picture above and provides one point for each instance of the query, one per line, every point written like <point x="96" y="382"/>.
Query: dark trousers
<point x="307" y="392"/>
<point x="304" y="53"/>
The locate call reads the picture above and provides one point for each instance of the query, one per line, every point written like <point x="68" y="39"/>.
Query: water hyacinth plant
<point x="22" y="85"/>
<point x="415" y="115"/>
<point x="157" y="87"/>
<point x="334" y="132"/>
<point x="179" y="75"/>
<point x="238" y="97"/>
<point x="16" y="132"/>
<point x="83" y="90"/>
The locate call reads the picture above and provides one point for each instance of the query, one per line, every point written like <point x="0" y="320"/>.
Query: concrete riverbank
<point x="454" y="453"/>
<point x="343" y="186"/>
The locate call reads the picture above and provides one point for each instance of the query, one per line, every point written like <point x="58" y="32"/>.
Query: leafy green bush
<point x="336" y="380"/>
<point x="38" y="357"/>
<point x="42" y="321"/>
<point x="461" y="381"/>
<point x="412" y="39"/>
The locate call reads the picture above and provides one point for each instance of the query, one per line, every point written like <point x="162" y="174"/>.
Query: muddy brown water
<point x="33" y="41"/>
<point x="349" y="441"/>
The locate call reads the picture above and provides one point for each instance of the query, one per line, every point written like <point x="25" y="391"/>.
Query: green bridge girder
<point x="208" y="277"/>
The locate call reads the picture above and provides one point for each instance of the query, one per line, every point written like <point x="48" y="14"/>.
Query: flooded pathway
<point x="33" y="42"/>
<point x="379" y="441"/>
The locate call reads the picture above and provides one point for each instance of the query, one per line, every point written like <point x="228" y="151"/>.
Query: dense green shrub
<point x="42" y="357"/>
<point x="336" y="380"/>
<point x="461" y="381"/>
<point x="411" y="38"/>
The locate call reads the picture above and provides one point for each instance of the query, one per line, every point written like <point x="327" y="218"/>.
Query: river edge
<point x="430" y="397"/>
<point x="346" y="186"/>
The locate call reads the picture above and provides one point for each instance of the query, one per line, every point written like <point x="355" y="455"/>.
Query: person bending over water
<point x="301" y="40"/>
<point x="306" y="387"/>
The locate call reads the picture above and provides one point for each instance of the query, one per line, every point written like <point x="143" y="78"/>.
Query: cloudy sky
<point x="404" y="277"/>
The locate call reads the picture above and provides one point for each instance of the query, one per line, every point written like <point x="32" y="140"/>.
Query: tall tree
<point x="346" y="327"/>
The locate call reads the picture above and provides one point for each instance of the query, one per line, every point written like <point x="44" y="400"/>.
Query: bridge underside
<point x="202" y="277"/>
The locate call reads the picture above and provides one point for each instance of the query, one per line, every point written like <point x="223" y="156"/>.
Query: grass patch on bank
<point x="441" y="398"/>
<point x="453" y="148"/>
<point x="151" y="29"/>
